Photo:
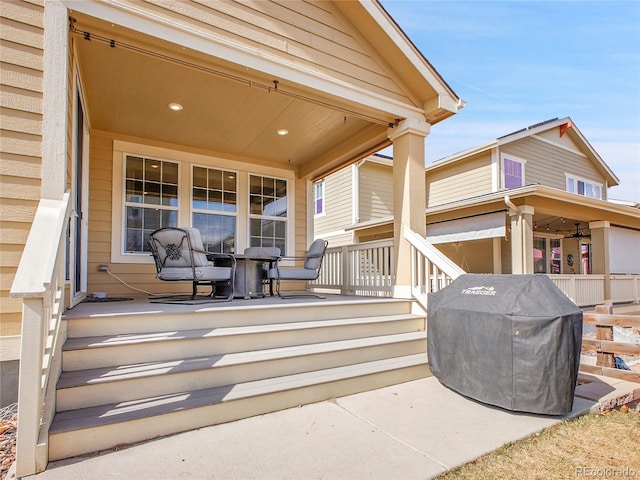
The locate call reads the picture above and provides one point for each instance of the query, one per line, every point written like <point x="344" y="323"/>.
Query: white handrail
<point x="431" y="270"/>
<point x="40" y="281"/>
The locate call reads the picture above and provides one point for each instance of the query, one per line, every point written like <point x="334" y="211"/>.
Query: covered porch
<point x="218" y="117"/>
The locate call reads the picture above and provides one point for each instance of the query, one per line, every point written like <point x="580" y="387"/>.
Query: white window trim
<point x="193" y="210"/>
<point x="582" y="179"/>
<point x="186" y="161"/>
<point x="513" y="158"/>
<point x="324" y="198"/>
<point x="290" y="193"/>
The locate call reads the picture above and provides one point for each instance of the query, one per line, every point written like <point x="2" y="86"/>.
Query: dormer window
<point x="584" y="187"/>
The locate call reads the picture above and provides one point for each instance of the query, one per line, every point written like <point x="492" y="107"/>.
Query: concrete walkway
<point x="415" y="430"/>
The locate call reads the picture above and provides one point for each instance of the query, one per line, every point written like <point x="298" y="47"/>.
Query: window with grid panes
<point x="214" y="207"/>
<point x="151" y="200"/>
<point x="267" y="212"/>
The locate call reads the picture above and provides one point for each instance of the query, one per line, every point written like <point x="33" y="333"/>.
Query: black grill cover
<point x="512" y="341"/>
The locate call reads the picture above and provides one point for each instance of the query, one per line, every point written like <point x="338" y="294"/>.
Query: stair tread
<point x="165" y="404"/>
<point x="220" y="332"/>
<point x="104" y="375"/>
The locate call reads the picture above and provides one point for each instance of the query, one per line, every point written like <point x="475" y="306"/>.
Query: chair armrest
<point x="211" y="256"/>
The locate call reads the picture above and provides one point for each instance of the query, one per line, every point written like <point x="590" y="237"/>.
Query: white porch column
<point x="521" y="239"/>
<point x="409" y="197"/>
<point x="600" y="253"/>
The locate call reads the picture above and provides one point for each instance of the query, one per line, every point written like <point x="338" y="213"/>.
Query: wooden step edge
<point x="73" y="316"/>
<point x="109" y="341"/>
<point x="150" y="370"/>
<point x="94" y="417"/>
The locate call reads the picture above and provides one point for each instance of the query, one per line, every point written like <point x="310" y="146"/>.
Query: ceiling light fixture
<point x="176" y="107"/>
<point x="283" y="131"/>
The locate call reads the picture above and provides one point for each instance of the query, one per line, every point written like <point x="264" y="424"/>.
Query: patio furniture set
<point x="179" y="255"/>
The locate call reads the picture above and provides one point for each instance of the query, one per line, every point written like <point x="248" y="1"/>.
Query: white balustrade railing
<point x="368" y="269"/>
<point x="40" y="282"/>
<point x="362" y="269"/>
<point x="625" y="288"/>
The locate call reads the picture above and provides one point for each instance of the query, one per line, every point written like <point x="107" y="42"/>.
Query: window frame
<point x="142" y="205"/>
<point x="514" y="159"/>
<point x="576" y="179"/>
<point x="276" y="218"/>
<point x="206" y="211"/>
<point x="322" y="197"/>
<point x="548" y="238"/>
<point x="186" y="161"/>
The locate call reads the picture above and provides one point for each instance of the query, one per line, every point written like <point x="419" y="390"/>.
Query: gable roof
<point x="565" y="123"/>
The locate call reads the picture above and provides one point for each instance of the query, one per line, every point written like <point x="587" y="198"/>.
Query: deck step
<point x="92" y="429"/>
<point x="106" y="351"/>
<point x="135" y="372"/>
<point x="164" y="318"/>
<point x="92" y="387"/>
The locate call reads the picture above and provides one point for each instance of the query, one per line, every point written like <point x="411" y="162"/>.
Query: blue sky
<point x="517" y="63"/>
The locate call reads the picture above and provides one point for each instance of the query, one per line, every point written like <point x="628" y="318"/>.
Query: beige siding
<point x="338" y="191"/>
<point x="463" y="179"/>
<point x="547" y="164"/>
<point x="21" y="54"/>
<point x="312" y="35"/>
<point x="375" y="191"/>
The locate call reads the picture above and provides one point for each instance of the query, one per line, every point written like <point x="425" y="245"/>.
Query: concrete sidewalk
<point x="414" y="430"/>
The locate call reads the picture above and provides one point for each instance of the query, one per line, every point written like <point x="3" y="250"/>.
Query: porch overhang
<point x="135" y="60"/>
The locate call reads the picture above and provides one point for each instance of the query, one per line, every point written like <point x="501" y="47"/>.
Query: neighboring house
<point x="533" y="201"/>
<point x="357" y="194"/>
<point x="216" y="115"/>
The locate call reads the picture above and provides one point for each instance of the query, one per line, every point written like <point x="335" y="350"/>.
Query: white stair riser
<point x="78" y="442"/>
<point x="138" y="388"/>
<point x="220" y="317"/>
<point x="176" y="349"/>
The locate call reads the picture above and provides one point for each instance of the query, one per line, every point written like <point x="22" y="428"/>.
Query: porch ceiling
<point x="128" y="93"/>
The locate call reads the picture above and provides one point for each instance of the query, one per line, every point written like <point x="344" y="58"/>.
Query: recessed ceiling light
<point x="283" y="131"/>
<point x="176" y="107"/>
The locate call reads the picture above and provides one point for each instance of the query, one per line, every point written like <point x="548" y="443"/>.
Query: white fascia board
<point x="409" y="50"/>
<point x="137" y="19"/>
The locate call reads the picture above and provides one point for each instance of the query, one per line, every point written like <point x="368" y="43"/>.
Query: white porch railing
<point x="367" y="269"/>
<point x="40" y="281"/>
<point x="431" y="270"/>
<point x="585" y="290"/>
<point x="362" y="269"/>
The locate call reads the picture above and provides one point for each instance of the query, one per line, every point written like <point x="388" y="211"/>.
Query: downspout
<point x="513" y="211"/>
<point x="511" y="205"/>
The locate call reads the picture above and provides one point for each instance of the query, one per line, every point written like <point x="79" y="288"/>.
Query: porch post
<point x="497" y="255"/>
<point x="522" y="240"/>
<point x="600" y="253"/>
<point x="409" y="197"/>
